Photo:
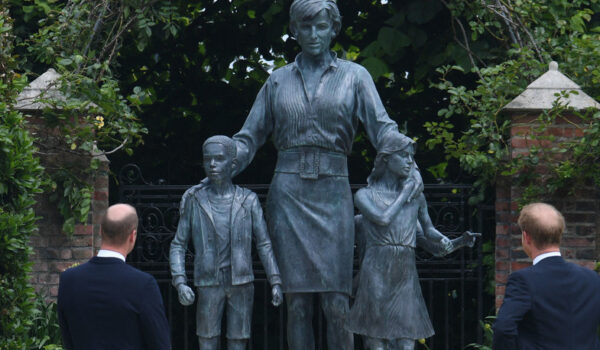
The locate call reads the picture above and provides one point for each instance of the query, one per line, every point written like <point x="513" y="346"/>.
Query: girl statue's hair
<point x="390" y="143"/>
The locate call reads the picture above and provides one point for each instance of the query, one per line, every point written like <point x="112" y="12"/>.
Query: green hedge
<point x="21" y="178"/>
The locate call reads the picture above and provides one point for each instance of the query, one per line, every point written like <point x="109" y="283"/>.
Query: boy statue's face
<point x="218" y="165"/>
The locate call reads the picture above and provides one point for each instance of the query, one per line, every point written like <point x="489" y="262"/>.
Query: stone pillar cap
<point x="541" y="93"/>
<point x="44" y="87"/>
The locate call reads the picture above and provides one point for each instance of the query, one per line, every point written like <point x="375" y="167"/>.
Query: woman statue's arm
<point x="256" y="129"/>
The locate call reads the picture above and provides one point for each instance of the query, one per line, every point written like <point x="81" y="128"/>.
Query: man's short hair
<point x="543" y="223"/>
<point x="227" y="142"/>
<point x="302" y="10"/>
<point x="117" y="231"/>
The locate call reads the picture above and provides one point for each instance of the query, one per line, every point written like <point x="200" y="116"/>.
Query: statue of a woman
<point x="311" y="109"/>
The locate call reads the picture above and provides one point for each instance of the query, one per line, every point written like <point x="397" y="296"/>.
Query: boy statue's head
<point x="219" y="158"/>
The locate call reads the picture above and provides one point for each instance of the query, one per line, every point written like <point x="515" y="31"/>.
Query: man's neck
<point x="121" y="250"/>
<point x="107" y="253"/>
<point x="538" y="254"/>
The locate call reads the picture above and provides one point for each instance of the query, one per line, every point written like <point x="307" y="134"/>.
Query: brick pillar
<point x="505" y="209"/>
<point x="54" y="250"/>
<point x="99" y="200"/>
<point x="581" y="241"/>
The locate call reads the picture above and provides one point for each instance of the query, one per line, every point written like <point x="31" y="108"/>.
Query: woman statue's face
<point x="315" y="35"/>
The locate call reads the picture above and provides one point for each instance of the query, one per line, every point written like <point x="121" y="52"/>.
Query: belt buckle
<point x="309" y="168"/>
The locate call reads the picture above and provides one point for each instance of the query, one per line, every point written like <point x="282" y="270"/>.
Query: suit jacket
<point x="196" y="223"/>
<point x="106" y="304"/>
<point x="551" y="305"/>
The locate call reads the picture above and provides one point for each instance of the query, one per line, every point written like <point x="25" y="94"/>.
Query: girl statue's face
<point x="315" y="35"/>
<point x="400" y="163"/>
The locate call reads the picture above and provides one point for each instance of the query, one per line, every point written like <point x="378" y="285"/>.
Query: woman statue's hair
<point x="390" y="143"/>
<point x="302" y="10"/>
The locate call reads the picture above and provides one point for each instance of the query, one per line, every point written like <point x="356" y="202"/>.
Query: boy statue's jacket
<point x="196" y="223"/>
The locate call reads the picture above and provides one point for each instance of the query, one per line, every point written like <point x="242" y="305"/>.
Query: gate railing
<point x="451" y="286"/>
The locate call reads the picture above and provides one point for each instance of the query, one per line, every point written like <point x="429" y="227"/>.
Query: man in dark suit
<point x="552" y="304"/>
<point x="107" y="304"/>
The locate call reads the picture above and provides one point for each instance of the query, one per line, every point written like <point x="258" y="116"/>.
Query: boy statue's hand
<point x="277" y="295"/>
<point x="186" y="294"/>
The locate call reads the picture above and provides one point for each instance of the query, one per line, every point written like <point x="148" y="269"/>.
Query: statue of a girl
<point x="389" y="310"/>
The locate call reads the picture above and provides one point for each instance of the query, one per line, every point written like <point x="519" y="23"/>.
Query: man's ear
<point x="526" y="237"/>
<point x="234" y="164"/>
<point x="133" y="236"/>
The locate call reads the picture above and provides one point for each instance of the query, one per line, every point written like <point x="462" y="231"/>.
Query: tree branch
<point x="114" y="149"/>
<point x="95" y="29"/>
<point x="464" y="45"/>
<point x="533" y="42"/>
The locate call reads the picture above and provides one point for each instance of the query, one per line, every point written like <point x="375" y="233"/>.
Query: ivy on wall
<point x="81" y="40"/>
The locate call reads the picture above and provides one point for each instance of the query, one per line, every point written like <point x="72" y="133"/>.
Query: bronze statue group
<point x="310" y="109"/>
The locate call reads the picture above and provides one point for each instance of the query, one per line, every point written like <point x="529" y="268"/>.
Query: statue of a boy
<point x="221" y="219"/>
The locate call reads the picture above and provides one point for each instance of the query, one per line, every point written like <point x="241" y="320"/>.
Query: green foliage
<point x="489" y="267"/>
<point x="488" y="334"/>
<point x="45" y="329"/>
<point x="74" y="198"/>
<point x="20" y="180"/>
<point x="423" y="344"/>
<point x="482" y="147"/>
<point x="82" y="40"/>
<point x="537" y="33"/>
<point x="561" y="174"/>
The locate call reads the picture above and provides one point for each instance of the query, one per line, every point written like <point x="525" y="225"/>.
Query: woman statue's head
<point x="305" y="26"/>
<point x="392" y="144"/>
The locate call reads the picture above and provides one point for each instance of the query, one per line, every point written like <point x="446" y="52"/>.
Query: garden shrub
<point x="21" y="178"/>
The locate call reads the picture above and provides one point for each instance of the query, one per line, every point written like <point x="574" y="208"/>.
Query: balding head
<point x="543" y="223"/>
<point x="118" y="223"/>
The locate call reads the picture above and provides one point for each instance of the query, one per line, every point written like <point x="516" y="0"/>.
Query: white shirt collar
<point x="544" y="256"/>
<point x="105" y="253"/>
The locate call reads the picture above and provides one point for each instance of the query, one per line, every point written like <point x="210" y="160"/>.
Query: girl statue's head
<point x="389" y="144"/>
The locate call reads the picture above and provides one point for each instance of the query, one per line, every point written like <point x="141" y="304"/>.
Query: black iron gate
<point x="452" y="286"/>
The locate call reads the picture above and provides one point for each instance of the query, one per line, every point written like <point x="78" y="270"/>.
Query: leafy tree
<point x="534" y="34"/>
<point x="82" y="41"/>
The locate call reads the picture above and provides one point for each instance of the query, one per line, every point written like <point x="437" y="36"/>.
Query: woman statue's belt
<point x="309" y="163"/>
<point x="386" y="244"/>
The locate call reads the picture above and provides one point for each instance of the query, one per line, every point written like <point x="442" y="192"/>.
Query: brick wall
<point x="580" y="242"/>
<point x="53" y="250"/>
